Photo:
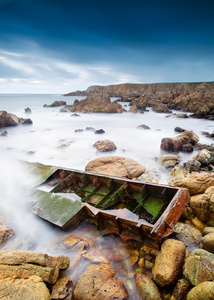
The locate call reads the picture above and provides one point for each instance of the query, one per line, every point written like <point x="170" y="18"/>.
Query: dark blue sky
<point x="63" y="45"/>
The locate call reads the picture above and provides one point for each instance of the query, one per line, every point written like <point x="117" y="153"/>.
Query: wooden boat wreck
<point x="131" y="208"/>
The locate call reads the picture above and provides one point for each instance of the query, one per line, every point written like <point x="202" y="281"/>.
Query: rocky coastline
<point x="196" y="98"/>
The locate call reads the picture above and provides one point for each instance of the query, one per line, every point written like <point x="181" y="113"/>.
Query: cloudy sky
<point x="58" y="46"/>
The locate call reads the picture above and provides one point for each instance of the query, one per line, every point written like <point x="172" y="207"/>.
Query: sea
<point x="53" y="139"/>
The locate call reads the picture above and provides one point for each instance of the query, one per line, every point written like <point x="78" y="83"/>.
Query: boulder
<point x="116" y="166"/>
<point x="199" y="267"/>
<point x="169" y="262"/>
<point x="196" y="183"/>
<point x="5" y="233"/>
<point x="176" y="143"/>
<point x="99" y="102"/>
<point x="105" y="146"/>
<point x="208" y="242"/>
<point x="7" y="119"/>
<point x="19" y="264"/>
<point x="99" y="282"/>
<point x="146" y="288"/>
<point x="188" y="234"/>
<point x="203" y="291"/>
<point x="29" y="288"/>
<point x="168" y="161"/>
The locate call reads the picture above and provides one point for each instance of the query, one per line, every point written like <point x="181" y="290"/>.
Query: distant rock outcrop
<point x="96" y="103"/>
<point x="197" y="98"/>
<point x="56" y="104"/>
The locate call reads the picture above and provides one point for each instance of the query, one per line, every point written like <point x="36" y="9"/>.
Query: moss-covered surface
<point x="41" y="172"/>
<point x="54" y="208"/>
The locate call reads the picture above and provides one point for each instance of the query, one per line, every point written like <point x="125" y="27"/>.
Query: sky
<point x="59" y="46"/>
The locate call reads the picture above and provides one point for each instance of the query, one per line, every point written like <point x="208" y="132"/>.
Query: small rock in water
<point x="90" y="129"/>
<point x="143" y="126"/>
<point x="99" y="131"/>
<point x="105" y="146"/>
<point x="4" y="133"/>
<point x="78" y="130"/>
<point x="28" y="110"/>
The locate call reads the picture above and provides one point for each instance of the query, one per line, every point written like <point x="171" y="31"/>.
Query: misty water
<point x="52" y="140"/>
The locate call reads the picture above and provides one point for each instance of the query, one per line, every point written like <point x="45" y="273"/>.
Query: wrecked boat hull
<point x="131" y="208"/>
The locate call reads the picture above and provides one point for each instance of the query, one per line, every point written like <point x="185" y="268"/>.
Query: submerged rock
<point x="143" y="126"/>
<point x="99" y="282"/>
<point x="116" y="166"/>
<point x="5" y="233"/>
<point x="61" y="289"/>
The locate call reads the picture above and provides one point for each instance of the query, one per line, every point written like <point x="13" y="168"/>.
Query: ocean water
<point x="52" y="139"/>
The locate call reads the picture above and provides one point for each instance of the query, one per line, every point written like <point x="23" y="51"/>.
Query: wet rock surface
<point x="146" y="288"/>
<point x="168" y="161"/>
<point x="29" y="288"/>
<point x="199" y="267"/>
<point x="169" y="262"/>
<point x="99" y="282"/>
<point x="177" y="143"/>
<point x="116" y="166"/>
<point x="19" y="264"/>
<point x="204" y="290"/>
